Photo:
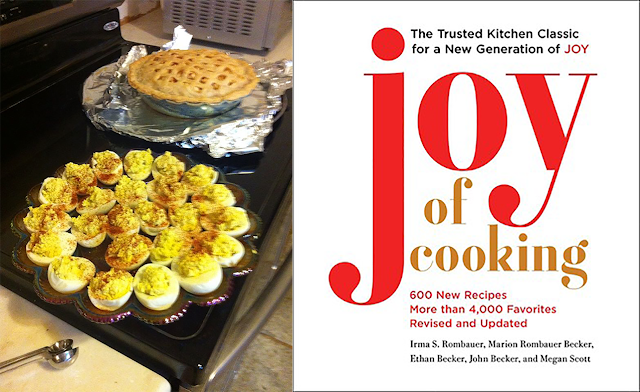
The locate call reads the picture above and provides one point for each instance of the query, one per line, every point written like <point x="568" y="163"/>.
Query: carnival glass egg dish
<point x="100" y="278"/>
<point x="192" y="83"/>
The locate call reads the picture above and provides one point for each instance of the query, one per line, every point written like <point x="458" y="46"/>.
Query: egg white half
<point x="234" y="259"/>
<point x="238" y="232"/>
<point x="138" y="176"/>
<point x="192" y="189"/>
<point x="157" y="174"/>
<point x="108" y="177"/>
<point x="160" y="302"/>
<point x="186" y="245"/>
<point x="156" y="198"/>
<point x="202" y="284"/>
<point x="67" y="243"/>
<point x="231" y="261"/>
<point x="109" y="304"/>
<point x="89" y="242"/>
<point x="99" y="210"/>
<point x="61" y="226"/>
<point x="66" y="286"/>
<point x="68" y="207"/>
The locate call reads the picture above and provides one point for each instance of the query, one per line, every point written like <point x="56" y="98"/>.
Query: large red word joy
<point x="388" y="155"/>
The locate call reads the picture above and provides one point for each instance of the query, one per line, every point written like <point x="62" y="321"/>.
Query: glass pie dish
<point x="96" y="255"/>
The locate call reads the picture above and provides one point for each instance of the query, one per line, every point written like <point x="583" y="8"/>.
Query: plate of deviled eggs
<point x="137" y="233"/>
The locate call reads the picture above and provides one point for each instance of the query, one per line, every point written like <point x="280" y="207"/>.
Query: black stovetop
<point x="43" y="126"/>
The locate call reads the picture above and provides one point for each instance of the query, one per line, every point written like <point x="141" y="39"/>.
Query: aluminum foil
<point x="113" y="105"/>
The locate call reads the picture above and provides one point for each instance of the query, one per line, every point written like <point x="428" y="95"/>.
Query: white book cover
<point x="466" y="196"/>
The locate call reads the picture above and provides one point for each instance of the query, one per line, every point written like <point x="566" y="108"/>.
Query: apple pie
<point x="194" y="76"/>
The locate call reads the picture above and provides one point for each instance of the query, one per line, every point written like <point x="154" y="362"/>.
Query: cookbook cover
<point x="466" y="196"/>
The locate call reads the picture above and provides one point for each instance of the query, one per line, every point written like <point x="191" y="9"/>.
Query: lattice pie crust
<point x="197" y="76"/>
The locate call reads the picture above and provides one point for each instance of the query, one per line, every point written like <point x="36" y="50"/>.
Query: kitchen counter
<point x="26" y="327"/>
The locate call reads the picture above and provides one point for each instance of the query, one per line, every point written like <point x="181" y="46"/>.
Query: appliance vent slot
<point x="228" y="16"/>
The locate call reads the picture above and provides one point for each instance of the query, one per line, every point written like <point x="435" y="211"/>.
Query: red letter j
<point x="388" y="183"/>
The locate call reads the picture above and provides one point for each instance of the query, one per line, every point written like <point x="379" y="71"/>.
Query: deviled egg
<point x="156" y="286"/>
<point x="130" y="192"/>
<point x="43" y="248"/>
<point x="81" y="177"/>
<point x="109" y="290"/>
<point x="199" y="176"/>
<point x="185" y="217"/>
<point x="153" y="218"/>
<point x="47" y="218"/>
<point x="68" y="274"/>
<point x="229" y="220"/>
<point x="168" y="167"/>
<point x="128" y="252"/>
<point x="167" y="193"/>
<point x="226" y="249"/>
<point x="89" y="230"/>
<point x="121" y="220"/>
<point x="98" y="202"/>
<point x="169" y="245"/>
<point x="58" y="191"/>
<point x="198" y="273"/>
<point x="137" y="164"/>
<point x="211" y="196"/>
<point x="107" y="166"/>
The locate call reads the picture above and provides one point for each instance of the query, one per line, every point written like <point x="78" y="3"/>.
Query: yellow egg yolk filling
<point x="128" y="189"/>
<point x="168" y="245"/>
<point x="170" y="189"/>
<point x="78" y="171"/>
<point x="89" y="225"/>
<point x="222" y="246"/>
<point x="138" y="162"/>
<point x="106" y="161"/>
<point x="123" y="217"/>
<point x="70" y="268"/>
<point x="168" y="165"/>
<point x="186" y="217"/>
<point x="44" y="218"/>
<point x="46" y="244"/>
<point x="154" y="281"/>
<point x="152" y="214"/>
<point x="199" y="175"/>
<point x="98" y="197"/>
<point x="111" y="285"/>
<point x="216" y="193"/>
<point x="57" y="190"/>
<point x="196" y="264"/>
<point x="228" y="218"/>
<point x="128" y="247"/>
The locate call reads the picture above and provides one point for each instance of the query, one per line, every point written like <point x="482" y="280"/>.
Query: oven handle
<point x="251" y="323"/>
